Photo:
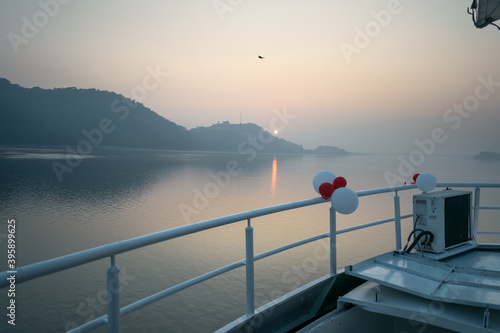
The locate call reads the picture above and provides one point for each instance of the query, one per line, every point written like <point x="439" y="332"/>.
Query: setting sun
<point x="275" y="132"/>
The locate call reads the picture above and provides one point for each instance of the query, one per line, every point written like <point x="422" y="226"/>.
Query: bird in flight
<point x="261" y="57"/>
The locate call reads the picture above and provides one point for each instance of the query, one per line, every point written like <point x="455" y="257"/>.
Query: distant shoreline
<point x="483" y="156"/>
<point x="487" y="156"/>
<point x="103" y="149"/>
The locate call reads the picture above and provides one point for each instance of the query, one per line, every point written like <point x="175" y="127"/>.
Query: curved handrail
<point x="58" y="264"/>
<point x="54" y="265"/>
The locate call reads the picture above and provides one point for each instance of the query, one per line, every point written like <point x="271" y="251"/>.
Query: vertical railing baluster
<point x="333" y="241"/>
<point x="397" y="220"/>
<point x="113" y="288"/>
<point x="250" y="270"/>
<point x="476" y="212"/>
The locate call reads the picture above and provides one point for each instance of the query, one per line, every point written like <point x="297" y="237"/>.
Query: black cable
<point x="417" y="239"/>
<point x="429" y="237"/>
<point x="473" y="13"/>
<point x="415" y="222"/>
<point x="412" y="232"/>
<point x="498" y="27"/>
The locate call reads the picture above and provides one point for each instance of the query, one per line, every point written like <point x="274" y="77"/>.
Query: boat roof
<point x="422" y="312"/>
<point x="460" y="290"/>
<point x="469" y="278"/>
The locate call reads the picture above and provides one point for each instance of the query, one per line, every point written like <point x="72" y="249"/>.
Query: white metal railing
<point x="114" y="312"/>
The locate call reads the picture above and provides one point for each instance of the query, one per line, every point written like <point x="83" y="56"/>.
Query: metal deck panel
<point x="460" y="318"/>
<point x="474" y="280"/>
<point x="488" y="260"/>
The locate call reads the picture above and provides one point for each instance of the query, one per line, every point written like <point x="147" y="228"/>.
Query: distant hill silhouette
<point x="330" y="150"/>
<point x="241" y="137"/>
<point x="487" y="156"/>
<point x="69" y="116"/>
<point x="58" y="116"/>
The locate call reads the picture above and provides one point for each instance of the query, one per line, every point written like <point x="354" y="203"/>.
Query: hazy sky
<point x="367" y="76"/>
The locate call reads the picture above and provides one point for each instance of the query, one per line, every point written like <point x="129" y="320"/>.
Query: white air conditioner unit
<point x="447" y="215"/>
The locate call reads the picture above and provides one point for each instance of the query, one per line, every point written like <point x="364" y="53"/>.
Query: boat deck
<point x="460" y="292"/>
<point x="469" y="278"/>
<point x="419" y="312"/>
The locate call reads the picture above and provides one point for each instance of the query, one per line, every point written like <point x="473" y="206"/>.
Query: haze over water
<point x="410" y="86"/>
<point x="121" y="194"/>
<point x="366" y="76"/>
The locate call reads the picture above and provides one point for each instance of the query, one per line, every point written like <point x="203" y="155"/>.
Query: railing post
<point x="113" y="287"/>
<point x="476" y="212"/>
<point x="333" y="241"/>
<point x="397" y="220"/>
<point x="250" y="270"/>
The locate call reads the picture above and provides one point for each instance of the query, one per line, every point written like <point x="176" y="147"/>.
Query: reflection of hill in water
<point x="112" y="174"/>
<point x="105" y="175"/>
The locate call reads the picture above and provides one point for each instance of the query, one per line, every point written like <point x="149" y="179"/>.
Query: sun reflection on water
<point x="273" y="176"/>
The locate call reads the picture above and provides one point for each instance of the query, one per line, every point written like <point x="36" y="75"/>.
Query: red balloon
<point x="339" y="182"/>
<point x="415" y="176"/>
<point x="326" y="190"/>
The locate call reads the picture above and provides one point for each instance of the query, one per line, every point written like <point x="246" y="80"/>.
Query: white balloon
<point x="426" y="182"/>
<point x="321" y="177"/>
<point x="345" y="200"/>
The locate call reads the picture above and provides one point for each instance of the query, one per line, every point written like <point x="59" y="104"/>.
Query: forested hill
<point x="62" y="117"/>
<point x="242" y="137"/>
<point x="68" y="116"/>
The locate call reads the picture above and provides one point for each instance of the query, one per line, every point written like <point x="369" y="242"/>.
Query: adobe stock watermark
<point x="32" y="26"/>
<point x="454" y="118"/>
<point x="220" y="180"/>
<point x="120" y="108"/>
<point x="372" y="29"/>
<point x="92" y="306"/>
<point x="223" y="6"/>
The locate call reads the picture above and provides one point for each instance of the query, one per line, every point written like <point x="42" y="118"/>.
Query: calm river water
<point x="118" y="194"/>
